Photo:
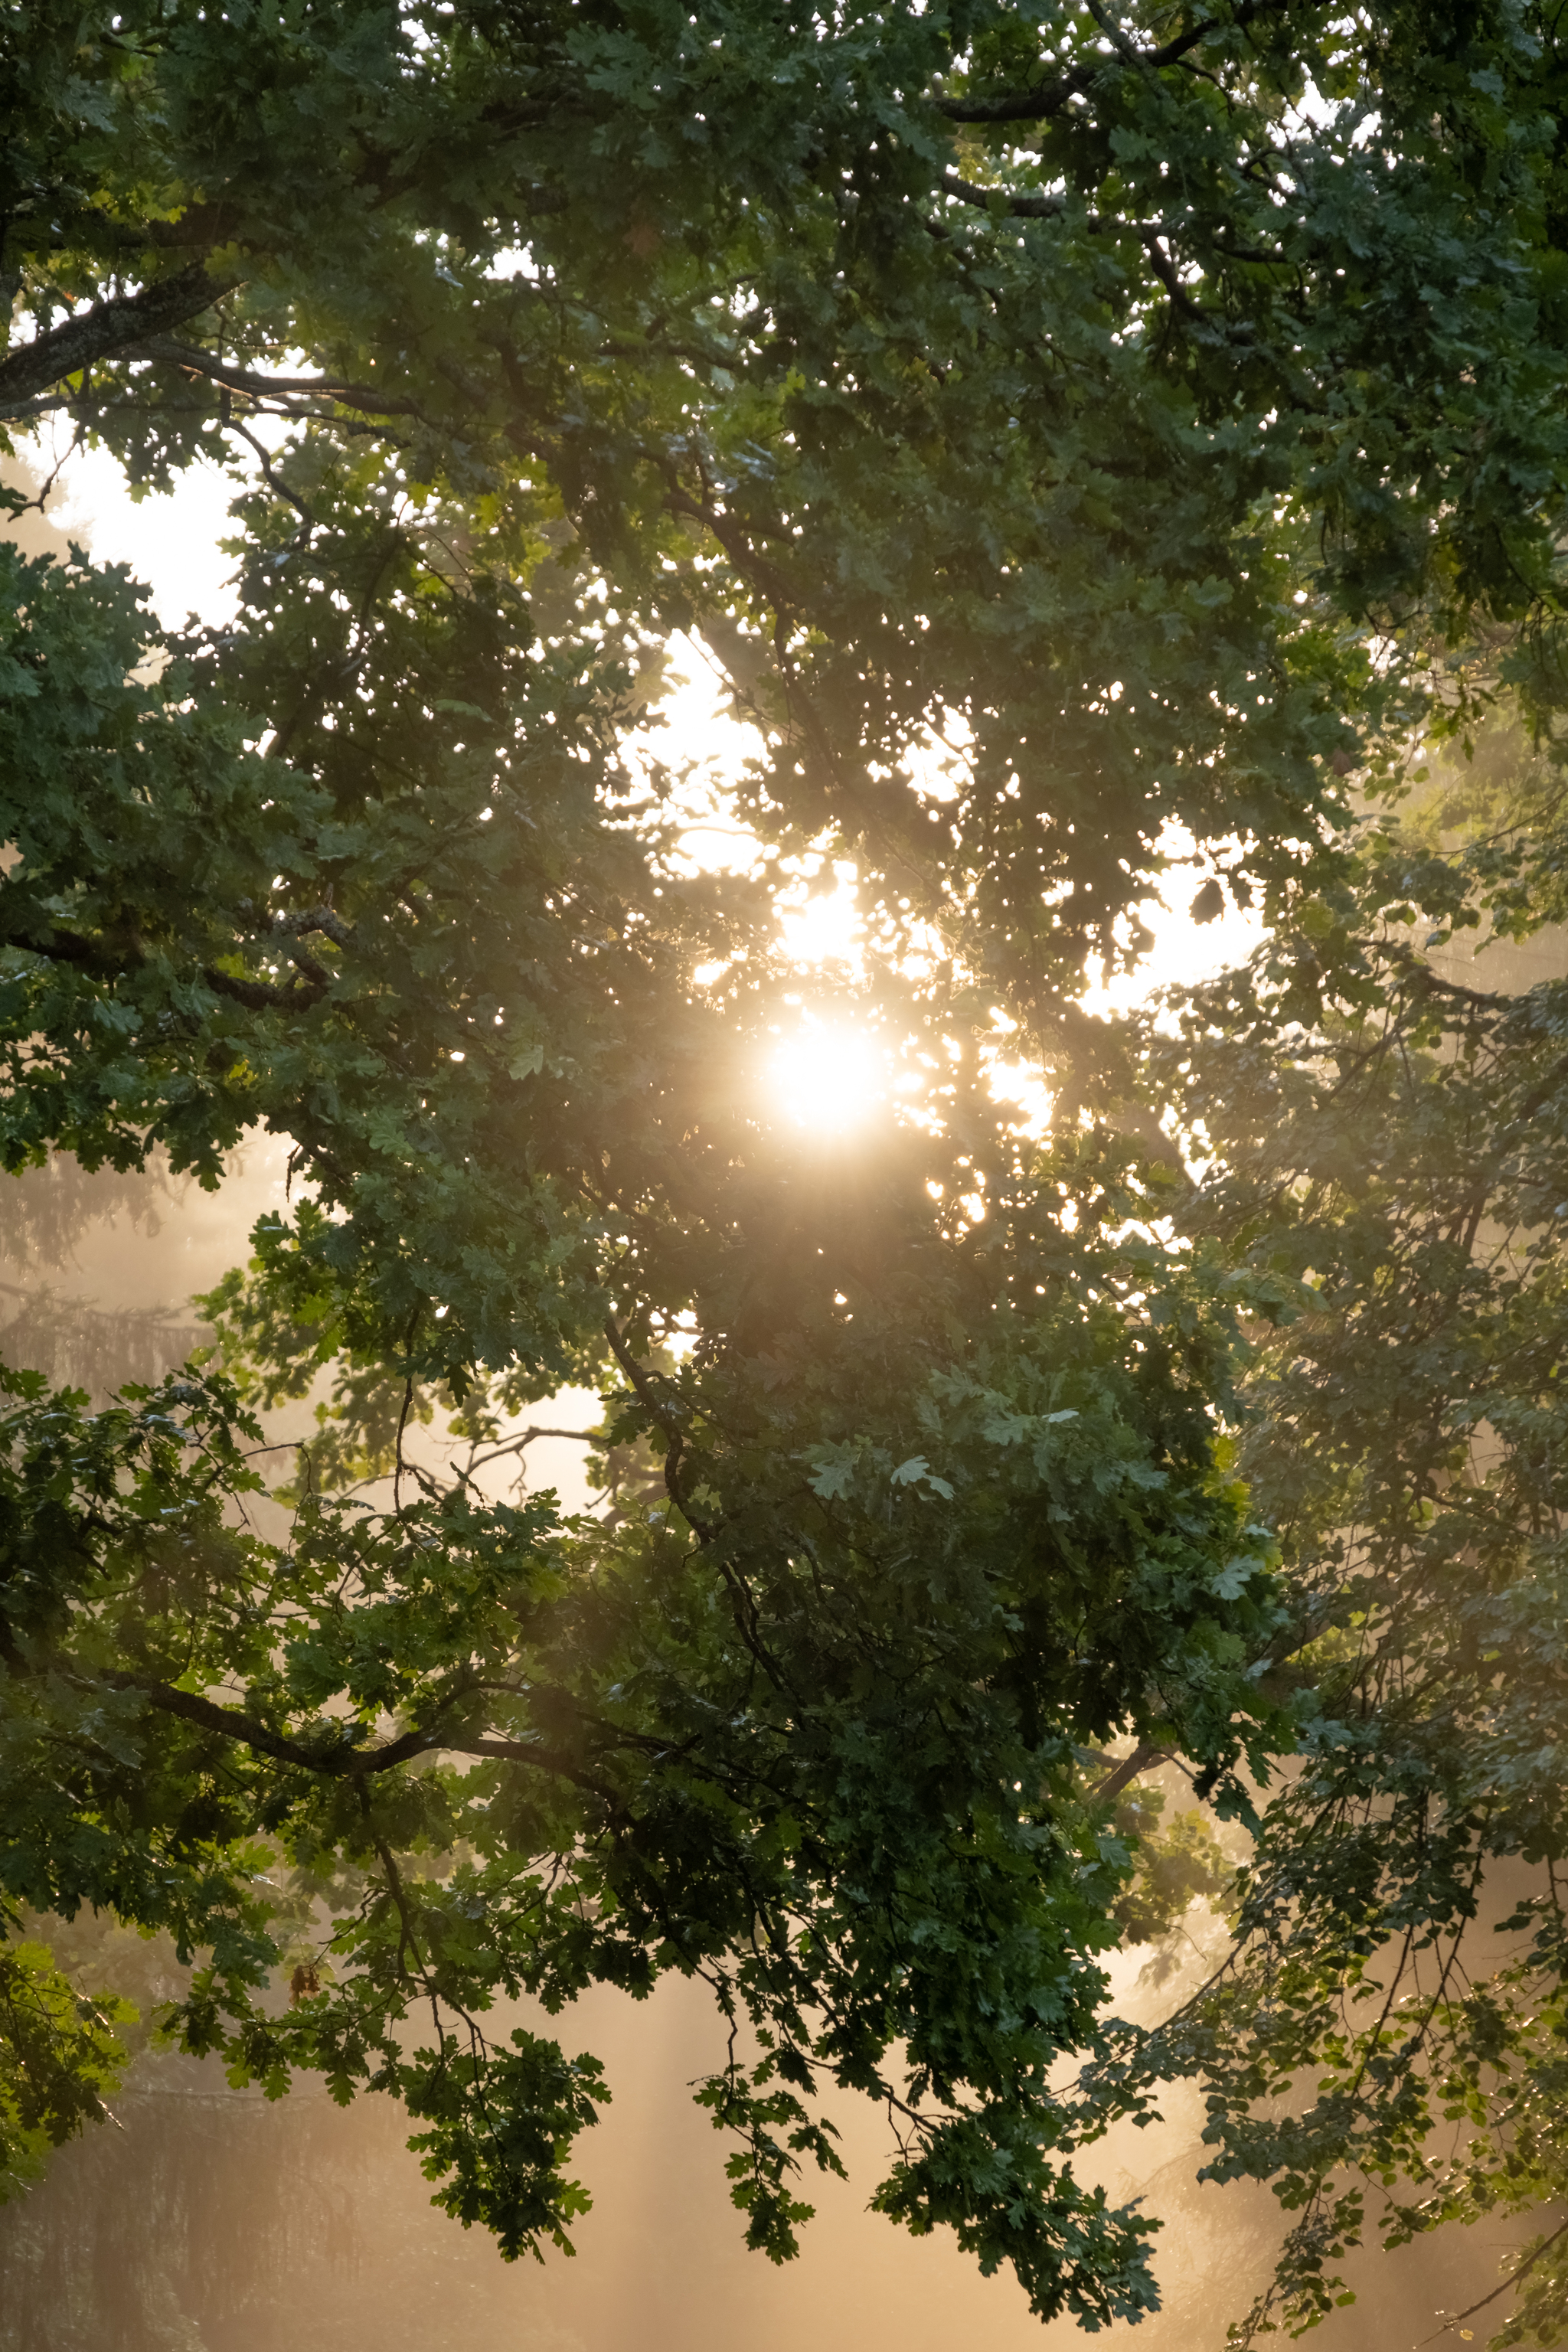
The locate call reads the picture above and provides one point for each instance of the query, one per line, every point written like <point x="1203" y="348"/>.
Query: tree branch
<point x="345" y="1762"/>
<point x="233" y="1723"/>
<point x="667" y="1422"/>
<point x="748" y="1620"/>
<point x="1017" y="207"/>
<point x="315" y="919"/>
<point x="257" y="995"/>
<point x="197" y="362"/>
<point x="65" y="946"/>
<point x="1039" y="105"/>
<point x="60" y="946"/>
<point x="1513" y="2280"/>
<point x="263" y="995"/>
<point x="1128" y="1770"/>
<point x="108" y="329"/>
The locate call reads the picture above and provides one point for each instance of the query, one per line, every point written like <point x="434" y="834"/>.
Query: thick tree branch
<point x="1039" y="105"/>
<point x="58" y="945"/>
<point x="543" y="1759"/>
<point x="344" y="1762"/>
<point x="314" y="919"/>
<point x="970" y="192"/>
<point x="65" y="946"/>
<point x="339" y="1763"/>
<point x="108" y="329"/>
<point x="233" y="1723"/>
<point x="1164" y="269"/>
<point x="1141" y="1758"/>
<point x="263" y="995"/>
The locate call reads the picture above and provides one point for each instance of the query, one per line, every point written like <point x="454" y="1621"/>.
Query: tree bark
<point x="107" y="328"/>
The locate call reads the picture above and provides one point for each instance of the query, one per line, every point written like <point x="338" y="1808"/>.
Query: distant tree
<point x="1062" y="427"/>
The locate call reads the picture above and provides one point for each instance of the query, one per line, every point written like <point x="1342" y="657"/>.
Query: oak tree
<point x="1068" y="428"/>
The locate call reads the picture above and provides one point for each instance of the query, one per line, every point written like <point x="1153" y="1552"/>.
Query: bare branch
<point x="1513" y="2280"/>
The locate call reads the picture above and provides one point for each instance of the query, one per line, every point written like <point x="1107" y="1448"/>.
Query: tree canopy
<point x="1086" y="438"/>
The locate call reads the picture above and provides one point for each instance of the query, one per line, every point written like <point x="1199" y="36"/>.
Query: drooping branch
<point x="108" y="329"/>
<point x="1527" y="2264"/>
<point x="748" y="1618"/>
<point x="667" y="1421"/>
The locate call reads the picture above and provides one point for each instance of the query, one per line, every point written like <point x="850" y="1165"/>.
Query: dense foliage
<point x="1062" y="427"/>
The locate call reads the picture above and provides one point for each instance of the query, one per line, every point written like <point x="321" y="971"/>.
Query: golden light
<point x="827" y="1077"/>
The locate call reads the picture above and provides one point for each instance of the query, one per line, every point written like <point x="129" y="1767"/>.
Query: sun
<point x="828" y="1078"/>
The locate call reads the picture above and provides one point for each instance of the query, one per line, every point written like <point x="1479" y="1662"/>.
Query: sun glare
<point x="829" y="1079"/>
